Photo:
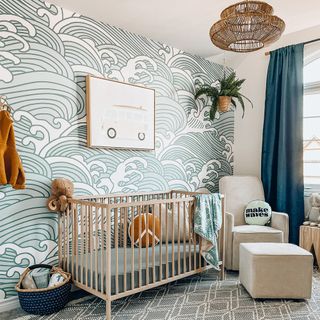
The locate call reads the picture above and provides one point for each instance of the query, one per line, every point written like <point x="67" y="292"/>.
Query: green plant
<point x="229" y="86"/>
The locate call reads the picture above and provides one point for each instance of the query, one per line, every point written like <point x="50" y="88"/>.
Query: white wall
<point x="253" y="68"/>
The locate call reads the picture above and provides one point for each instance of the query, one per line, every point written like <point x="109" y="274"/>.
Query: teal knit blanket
<point x="207" y="223"/>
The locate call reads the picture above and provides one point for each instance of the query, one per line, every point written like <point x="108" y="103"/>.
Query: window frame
<point x="311" y="88"/>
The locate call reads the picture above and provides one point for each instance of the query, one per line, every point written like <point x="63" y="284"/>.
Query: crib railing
<point x="94" y="246"/>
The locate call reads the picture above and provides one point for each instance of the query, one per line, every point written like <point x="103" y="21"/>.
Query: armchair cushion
<point x="252" y="233"/>
<point x="239" y="191"/>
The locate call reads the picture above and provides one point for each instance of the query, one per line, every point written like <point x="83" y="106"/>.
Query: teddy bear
<point x="313" y="218"/>
<point x="61" y="190"/>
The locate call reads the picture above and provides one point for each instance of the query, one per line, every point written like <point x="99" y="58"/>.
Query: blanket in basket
<point x="207" y="223"/>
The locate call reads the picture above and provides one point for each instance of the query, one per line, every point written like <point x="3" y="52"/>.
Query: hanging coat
<point x="11" y="170"/>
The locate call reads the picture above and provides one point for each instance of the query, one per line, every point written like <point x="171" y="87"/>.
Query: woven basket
<point x="48" y="300"/>
<point x="224" y="103"/>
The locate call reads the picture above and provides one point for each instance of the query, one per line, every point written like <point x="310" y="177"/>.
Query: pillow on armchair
<point x="258" y="213"/>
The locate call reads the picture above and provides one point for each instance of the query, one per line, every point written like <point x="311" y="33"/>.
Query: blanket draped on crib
<point x="207" y="223"/>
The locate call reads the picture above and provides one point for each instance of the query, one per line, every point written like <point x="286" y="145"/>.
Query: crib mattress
<point x="89" y="260"/>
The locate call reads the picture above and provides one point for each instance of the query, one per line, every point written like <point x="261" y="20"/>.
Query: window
<point x="311" y="125"/>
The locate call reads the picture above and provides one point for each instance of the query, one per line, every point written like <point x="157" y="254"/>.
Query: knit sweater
<point x="11" y="170"/>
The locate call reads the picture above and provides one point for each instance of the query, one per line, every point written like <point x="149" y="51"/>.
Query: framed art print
<point x="120" y="115"/>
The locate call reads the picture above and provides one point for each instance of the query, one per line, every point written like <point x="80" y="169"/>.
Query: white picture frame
<point x="119" y="115"/>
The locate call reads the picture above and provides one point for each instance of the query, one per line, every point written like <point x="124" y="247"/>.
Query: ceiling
<point x="184" y="24"/>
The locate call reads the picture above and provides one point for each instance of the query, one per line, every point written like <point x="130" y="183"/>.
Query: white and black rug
<point x="198" y="297"/>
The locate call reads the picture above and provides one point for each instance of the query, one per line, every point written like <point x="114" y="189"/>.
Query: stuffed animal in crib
<point x="61" y="190"/>
<point x="313" y="218"/>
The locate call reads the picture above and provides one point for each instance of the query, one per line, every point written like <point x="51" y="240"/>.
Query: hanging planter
<point x="226" y="94"/>
<point x="224" y="103"/>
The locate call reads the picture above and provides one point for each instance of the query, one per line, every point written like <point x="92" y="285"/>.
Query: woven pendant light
<point x="246" y="26"/>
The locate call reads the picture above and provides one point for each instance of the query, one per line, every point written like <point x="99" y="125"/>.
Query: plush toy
<point x="61" y="190"/>
<point x="313" y="218"/>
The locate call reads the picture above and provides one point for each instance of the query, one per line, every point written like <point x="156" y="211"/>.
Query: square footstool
<point x="276" y="270"/>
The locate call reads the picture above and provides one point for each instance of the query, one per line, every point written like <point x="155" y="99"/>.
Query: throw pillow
<point x="258" y="213"/>
<point x="150" y="229"/>
<point x="169" y="222"/>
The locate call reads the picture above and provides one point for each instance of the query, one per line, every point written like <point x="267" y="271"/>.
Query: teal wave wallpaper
<point x="45" y="53"/>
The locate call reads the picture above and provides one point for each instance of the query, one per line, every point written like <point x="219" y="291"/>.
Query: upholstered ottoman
<point x="276" y="270"/>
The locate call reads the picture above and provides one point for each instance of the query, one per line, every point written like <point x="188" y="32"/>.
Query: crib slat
<point x="121" y="227"/>
<point x="77" y="243"/>
<point x="189" y="240"/>
<point x="90" y="253"/>
<point x="82" y="243"/>
<point x="173" y="212"/>
<point x="116" y="244"/>
<point x="73" y="241"/>
<point x="132" y="247"/>
<point x="194" y="239"/>
<point x="200" y="251"/>
<point x="147" y="243"/>
<point x="167" y="243"/>
<point x="160" y="218"/>
<point x="139" y="239"/>
<point x="96" y="243"/>
<point x="85" y="243"/>
<point x="65" y="241"/>
<point x="102" y="248"/>
<point x="108" y="254"/>
<point x="153" y="245"/>
<point x="179" y="270"/>
<point x="125" y="249"/>
<point x="68" y="238"/>
<point x="184" y="239"/>
<point x="60" y="241"/>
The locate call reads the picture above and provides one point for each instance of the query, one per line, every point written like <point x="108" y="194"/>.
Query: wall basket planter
<point x="223" y="95"/>
<point x="224" y="103"/>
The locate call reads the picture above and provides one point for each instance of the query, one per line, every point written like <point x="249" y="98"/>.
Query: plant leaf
<point x="247" y="99"/>
<point x="242" y="104"/>
<point x="206" y="90"/>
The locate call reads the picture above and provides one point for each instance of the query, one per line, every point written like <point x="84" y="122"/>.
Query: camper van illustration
<point x="125" y="122"/>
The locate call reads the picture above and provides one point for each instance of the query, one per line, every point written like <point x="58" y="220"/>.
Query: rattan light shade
<point x="246" y="26"/>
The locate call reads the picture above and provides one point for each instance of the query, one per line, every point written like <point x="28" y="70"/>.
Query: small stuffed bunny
<point x="61" y="190"/>
<point x="313" y="218"/>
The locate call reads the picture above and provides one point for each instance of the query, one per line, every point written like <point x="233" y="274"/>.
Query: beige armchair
<point x="239" y="191"/>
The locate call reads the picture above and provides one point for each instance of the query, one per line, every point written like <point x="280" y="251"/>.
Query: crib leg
<point x="222" y="274"/>
<point x="108" y="310"/>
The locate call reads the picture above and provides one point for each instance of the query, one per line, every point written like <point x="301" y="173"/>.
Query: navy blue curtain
<point x="282" y="147"/>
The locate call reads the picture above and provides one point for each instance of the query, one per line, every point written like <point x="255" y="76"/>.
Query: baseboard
<point x="9" y="304"/>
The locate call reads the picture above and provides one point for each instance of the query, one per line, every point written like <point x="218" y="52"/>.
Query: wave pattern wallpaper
<point x="45" y="53"/>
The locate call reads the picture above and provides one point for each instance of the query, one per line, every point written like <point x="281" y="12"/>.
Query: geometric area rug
<point x="201" y="296"/>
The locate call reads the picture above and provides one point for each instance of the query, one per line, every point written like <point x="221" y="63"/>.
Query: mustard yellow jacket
<point x="11" y="170"/>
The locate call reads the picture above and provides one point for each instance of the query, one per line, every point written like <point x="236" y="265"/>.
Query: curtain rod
<point x="305" y="43"/>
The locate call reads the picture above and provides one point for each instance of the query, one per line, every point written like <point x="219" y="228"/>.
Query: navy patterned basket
<point x="48" y="300"/>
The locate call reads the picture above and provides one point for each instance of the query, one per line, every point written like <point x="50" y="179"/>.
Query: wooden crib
<point x="94" y="246"/>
